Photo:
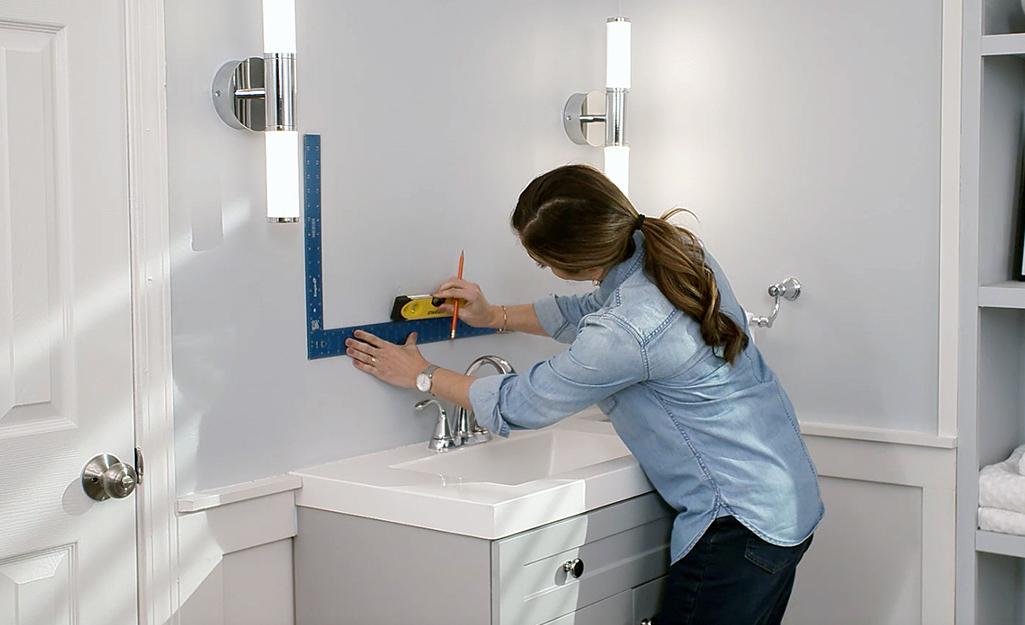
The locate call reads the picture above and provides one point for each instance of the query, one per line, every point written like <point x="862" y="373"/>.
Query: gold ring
<point x="373" y="361"/>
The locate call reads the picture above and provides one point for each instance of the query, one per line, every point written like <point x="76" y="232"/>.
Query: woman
<point x="661" y="347"/>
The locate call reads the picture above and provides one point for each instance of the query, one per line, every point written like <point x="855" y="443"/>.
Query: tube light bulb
<point x="283" y="198"/>
<point x="279" y="26"/>
<point x="281" y="141"/>
<point x="617" y="59"/>
<point x="617" y="166"/>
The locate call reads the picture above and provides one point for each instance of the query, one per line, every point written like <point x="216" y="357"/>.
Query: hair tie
<point x="639" y="222"/>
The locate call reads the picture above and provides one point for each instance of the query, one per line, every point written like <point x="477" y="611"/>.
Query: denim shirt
<point x="714" y="439"/>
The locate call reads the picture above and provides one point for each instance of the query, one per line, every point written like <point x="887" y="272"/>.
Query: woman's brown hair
<point x="575" y="219"/>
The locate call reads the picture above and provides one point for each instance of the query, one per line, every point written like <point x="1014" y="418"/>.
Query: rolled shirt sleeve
<point x="605" y="357"/>
<point x="560" y="315"/>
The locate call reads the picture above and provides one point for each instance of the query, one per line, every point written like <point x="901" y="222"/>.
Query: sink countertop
<point x="373" y="486"/>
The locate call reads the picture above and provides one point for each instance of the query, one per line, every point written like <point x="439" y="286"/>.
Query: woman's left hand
<point x="397" y="365"/>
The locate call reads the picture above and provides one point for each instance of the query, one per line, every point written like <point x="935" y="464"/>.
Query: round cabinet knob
<point x="646" y="621"/>
<point x="106" y="477"/>
<point x="574" y="568"/>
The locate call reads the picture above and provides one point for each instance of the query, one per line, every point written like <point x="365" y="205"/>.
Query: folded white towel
<point x="1003" y="521"/>
<point x="1021" y="465"/>
<point x="1002" y="486"/>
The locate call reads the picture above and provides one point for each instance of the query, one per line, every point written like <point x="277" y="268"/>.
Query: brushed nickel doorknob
<point x="106" y="477"/>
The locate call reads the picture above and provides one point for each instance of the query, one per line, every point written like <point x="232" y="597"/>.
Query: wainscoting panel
<point x="258" y="585"/>
<point x="868" y="547"/>
<point x="884" y="553"/>
<point x="235" y="554"/>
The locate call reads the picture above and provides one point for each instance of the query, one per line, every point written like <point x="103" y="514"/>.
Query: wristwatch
<point x="425" y="378"/>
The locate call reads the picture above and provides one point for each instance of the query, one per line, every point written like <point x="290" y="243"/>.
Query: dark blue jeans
<point x="730" y="577"/>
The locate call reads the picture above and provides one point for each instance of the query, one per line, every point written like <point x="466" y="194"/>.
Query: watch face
<point x="423" y="382"/>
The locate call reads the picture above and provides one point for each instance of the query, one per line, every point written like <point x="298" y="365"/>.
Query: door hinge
<point x="139" y="464"/>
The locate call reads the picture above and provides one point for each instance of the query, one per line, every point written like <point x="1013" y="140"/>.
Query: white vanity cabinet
<point x="352" y="569"/>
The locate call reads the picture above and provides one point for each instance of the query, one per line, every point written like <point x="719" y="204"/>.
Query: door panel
<point x="37" y="588"/>
<point x="33" y="340"/>
<point x="65" y="317"/>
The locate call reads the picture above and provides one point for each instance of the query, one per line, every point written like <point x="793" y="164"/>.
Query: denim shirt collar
<point x="620" y="272"/>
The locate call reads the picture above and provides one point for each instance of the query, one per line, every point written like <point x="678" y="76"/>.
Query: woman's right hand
<point x="474" y="308"/>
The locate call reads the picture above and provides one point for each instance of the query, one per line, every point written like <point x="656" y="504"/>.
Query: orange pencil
<point x="455" y="306"/>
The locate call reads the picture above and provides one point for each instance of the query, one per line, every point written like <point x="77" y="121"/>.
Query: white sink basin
<point x="516" y="461"/>
<point x="489" y="490"/>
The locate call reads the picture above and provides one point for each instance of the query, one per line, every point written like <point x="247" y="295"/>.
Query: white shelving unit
<point x="1002" y="295"/>
<point x="991" y="370"/>
<point x="1000" y="544"/>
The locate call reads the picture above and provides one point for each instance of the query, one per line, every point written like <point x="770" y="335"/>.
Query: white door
<point x="65" y="324"/>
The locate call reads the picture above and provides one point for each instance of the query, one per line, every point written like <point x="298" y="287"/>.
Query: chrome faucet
<point x="442" y="438"/>
<point x="468" y="431"/>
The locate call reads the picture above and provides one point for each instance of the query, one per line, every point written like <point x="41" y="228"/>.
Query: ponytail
<point x="675" y="262"/>
<point x="576" y="219"/>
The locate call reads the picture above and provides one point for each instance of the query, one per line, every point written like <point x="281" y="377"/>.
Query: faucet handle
<point x="480" y="434"/>
<point x="468" y="431"/>
<point x="442" y="438"/>
<point x="429" y="402"/>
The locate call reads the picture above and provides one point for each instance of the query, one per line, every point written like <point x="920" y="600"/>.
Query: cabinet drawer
<point x="621" y="546"/>
<point x="612" y="611"/>
<point x="647" y="599"/>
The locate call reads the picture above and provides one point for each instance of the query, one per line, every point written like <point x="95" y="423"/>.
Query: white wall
<point x="804" y="134"/>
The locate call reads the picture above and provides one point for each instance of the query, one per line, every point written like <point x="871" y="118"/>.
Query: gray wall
<point x="803" y="133"/>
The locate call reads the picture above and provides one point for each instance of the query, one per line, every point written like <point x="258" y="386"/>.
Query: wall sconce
<point x="258" y="93"/>
<point x="581" y="108"/>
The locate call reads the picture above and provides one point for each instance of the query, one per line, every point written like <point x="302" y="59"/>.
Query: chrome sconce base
<point x="578" y="113"/>
<point x="582" y="109"/>
<point x="256" y="93"/>
<point x="238" y="94"/>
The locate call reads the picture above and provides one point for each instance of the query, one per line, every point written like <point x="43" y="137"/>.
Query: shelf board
<point x="1000" y="544"/>
<point x="1003" y="45"/>
<point x="1009" y="294"/>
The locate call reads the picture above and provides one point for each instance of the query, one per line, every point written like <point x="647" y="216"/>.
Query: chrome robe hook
<point x="788" y="289"/>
